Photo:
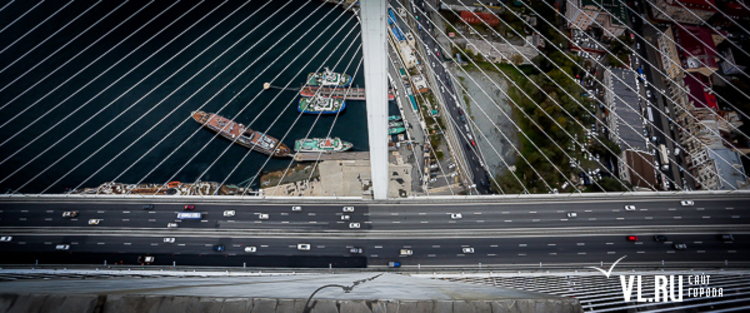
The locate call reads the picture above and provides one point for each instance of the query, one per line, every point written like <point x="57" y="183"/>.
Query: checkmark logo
<point x="606" y="273"/>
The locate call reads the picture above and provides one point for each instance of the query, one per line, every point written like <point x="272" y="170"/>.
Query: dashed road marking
<point x="678" y="217"/>
<point x="480" y="221"/>
<point x="649" y="217"/>
<point x="521" y="244"/>
<point x="735" y="216"/>
<point x="610" y="252"/>
<point x="522" y="254"/>
<point x="701" y="251"/>
<point x="126" y="243"/>
<point x="424" y="222"/>
<point x="581" y="244"/>
<point x="706" y="217"/>
<point x="378" y="247"/>
<point x="431" y="255"/>
<point x="125" y="212"/>
<point x="436" y="246"/>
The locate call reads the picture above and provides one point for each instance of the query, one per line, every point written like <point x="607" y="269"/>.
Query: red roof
<point x="696" y="42"/>
<point x="478" y="17"/>
<point x="698" y="86"/>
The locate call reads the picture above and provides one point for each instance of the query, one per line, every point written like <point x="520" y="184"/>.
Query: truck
<point x="189" y="215"/>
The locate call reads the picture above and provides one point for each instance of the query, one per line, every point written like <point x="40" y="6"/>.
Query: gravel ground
<point x="489" y="126"/>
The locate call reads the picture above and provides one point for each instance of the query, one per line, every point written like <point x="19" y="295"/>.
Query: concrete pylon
<point x="373" y="21"/>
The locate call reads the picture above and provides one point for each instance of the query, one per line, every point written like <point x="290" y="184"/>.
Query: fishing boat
<point x="320" y="105"/>
<point x="329" y="78"/>
<point x="394" y="118"/>
<point x="396" y="130"/>
<point x="395" y="124"/>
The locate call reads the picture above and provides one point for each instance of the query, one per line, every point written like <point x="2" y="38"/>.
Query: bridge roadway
<point x="501" y="233"/>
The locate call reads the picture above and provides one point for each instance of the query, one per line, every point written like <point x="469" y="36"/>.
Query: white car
<point x="406" y="252"/>
<point x="345" y="217"/>
<point x="62" y="247"/>
<point x="353" y="225"/>
<point x="168" y="240"/>
<point x="456" y="216"/>
<point x="251" y="249"/>
<point x="228" y="213"/>
<point x="6" y="238"/>
<point x="572" y="215"/>
<point x="467" y="250"/>
<point x="348" y="209"/>
<point x="94" y="221"/>
<point x="172" y="225"/>
<point x="263" y="216"/>
<point x="630" y="207"/>
<point x="687" y="203"/>
<point x="303" y="246"/>
<point x="296" y="209"/>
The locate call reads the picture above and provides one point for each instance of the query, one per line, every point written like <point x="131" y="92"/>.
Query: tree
<point x="516" y="59"/>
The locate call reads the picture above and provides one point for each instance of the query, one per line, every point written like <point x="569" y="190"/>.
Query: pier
<point x="309" y="157"/>
<point x="338" y="93"/>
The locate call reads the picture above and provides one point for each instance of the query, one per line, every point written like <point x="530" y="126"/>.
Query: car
<point x="303" y="246"/>
<point x="70" y="214"/>
<point x="345" y="217"/>
<point x="406" y="252"/>
<point x="660" y="238"/>
<point x="353" y="225"/>
<point x="433" y="180"/>
<point x="189" y="207"/>
<point x="263" y="216"/>
<point x="6" y="238"/>
<point x="348" y="209"/>
<point x="168" y="240"/>
<point x="727" y="237"/>
<point x="467" y="250"/>
<point x="228" y="213"/>
<point x="355" y="250"/>
<point x="687" y="203"/>
<point x="394" y="264"/>
<point x="460" y="112"/>
<point x="632" y="238"/>
<point x="145" y="259"/>
<point x="94" y="221"/>
<point x="62" y="247"/>
<point x="630" y="207"/>
<point x="572" y="215"/>
<point x="456" y="216"/>
<point x="219" y="248"/>
<point x="171" y="225"/>
<point x="251" y="249"/>
<point x="148" y="207"/>
<point x="438" y="54"/>
<point x="648" y="93"/>
<point x="296" y="209"/>
<point x="473" y="144"/>
<point x="680" y="246"/>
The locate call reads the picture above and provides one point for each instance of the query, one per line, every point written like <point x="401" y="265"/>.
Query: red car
<point x="473" y="144"/>
<point x="189" y="207"/>
<point x="632" y="238"/>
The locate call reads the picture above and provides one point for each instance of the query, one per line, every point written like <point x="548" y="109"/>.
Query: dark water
<point x="154" y="98"/>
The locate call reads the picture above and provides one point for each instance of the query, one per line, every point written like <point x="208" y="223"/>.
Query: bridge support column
<point x="372" y="16"/>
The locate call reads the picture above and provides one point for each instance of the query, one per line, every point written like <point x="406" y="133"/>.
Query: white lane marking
<point x="366" y="214"/>
<point x="321" y="247"/>
<point x="100" y="212"/>
<point x="671" y="209"/>
<point x="368" y="222"/>
<point x="582" y="253"/>
<point x="264" y="246"/>
<point x="207" y="244"/>
<point x="700" y="209"/>
<point x="99" y="243"/>
<point x="522" y="254"/>
<point x="592" y="218"/>
<point x="610" y="252"/>
<point x="48" y="219"/>
<point x="581" y="244"/>
<point x="394" y="214"/>
<point x="552" y="244"/>
<point x="127" y="243"/>
<point x="553" y="253"/>
<point x="284" y="213"/>
<point x="24" y="211"/>
<point x="378" y="247"/>
<point x="620" y="218"/>
<point x="491" y="254"/>
<point x="563" y="219"/>
<point x="424" y="222"/>
<point x="48" y="243"/>
<point x="505" y="212"/>
<point x="151" y="212"/>
<point x="677" y="217"/>
<point x="436" y="246"/>
<point x="451" y="222"/>
<point x="616" y="210"/>
<point x="73" y="219"/>
<point x="125" y="212"/>
<point x="701" y="251"/>
<point x="258" y="222"/>
<point x="407" y="247"/>
<point x="22" y="219"/>
<point x="670" y="251"/>
<point x="643" y="210"/>
<point x="732" y="251"/>
<point x="152" y="220"/>
<point x="126" y="220"/>
<point x="610" y="243"/>
<point x="697" y="242"/>
<point x="588" y="211"/>
<point x="74" y="243"/>
<point x="204" y="221"/>
<point x="310" y="214"/>
<point x="535" y="220"/>
<point x="180" y="244"/>
<point x="293" y="246"/>
<point x="477" y="213"/>
<point x="706" y="217"/>
<point x="649" y="217"/>
<point x="639" y="242"/>
<point x="480" y="221"/>
<point x="508" y="221"/>
<point x="21" y="242"/>
<point x="154" y="244"/>
<point x="48" y="211"/>
<point x="460" y="254"/>
<point x="396" y="222"/>
<point x="230" y="221"/>
<point x="521" y="244"/>
<point x="373" y="255"/>
<point x="735" y="216"/>
<point x="532" y="212"/>
<point x="284" y="222"/>
<point x="313" y="222"/>
<point x="560" y="211"/>
<point x="641" y="252"/>
<point x="422" y="213"/>
<point x="730" y="208"/>
<point x="431" y="255"/>
<point x="493" y="246"/>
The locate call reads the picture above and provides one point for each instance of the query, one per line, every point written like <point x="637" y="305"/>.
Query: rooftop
<point x="625" y="106"/>
<point x="728" y="167"/>
<point x="614" y="7"/>
<point x="641" y="163"/>
<point x="697" y="46"/>
<point x="706" y="5"/>
<point x="700" y="98"/>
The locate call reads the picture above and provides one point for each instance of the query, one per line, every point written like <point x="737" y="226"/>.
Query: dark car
<point x="189" y="207"/>
<point x="460" y="112"/>
<point x="148" y="207"/>
<point x="727" y="237"/>
<point x="660" y="238"/>
<point x="219" y="248"/>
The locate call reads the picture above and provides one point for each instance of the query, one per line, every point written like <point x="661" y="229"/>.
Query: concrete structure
<point x="639" y="171"/>
<point x="735" y="62"/>
<point x="473" y="6"/>
<point x="583" y="13"/>
<point x="670" y="57"/>
<point x="680" y="10"/>
<point x="499" y="52"/>
<point x="419" y="84"/>
<point x="698" y="51"/>
<point x="375" y="51"/>
<point x="367" y="292"/>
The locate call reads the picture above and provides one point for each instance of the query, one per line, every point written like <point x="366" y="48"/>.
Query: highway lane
<point x="534" y="214"/>
<point x="427" y="252"/>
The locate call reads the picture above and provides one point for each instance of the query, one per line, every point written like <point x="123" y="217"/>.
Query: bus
<point x="189" y="216"/>
<point x="664" y="156"/>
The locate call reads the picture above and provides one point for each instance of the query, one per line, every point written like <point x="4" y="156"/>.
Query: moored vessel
<point x="320" y="105"/>
<point x="238" y="133"/>
<point x="329" y="78"/>
<point x="396" y="130"/>
<point x="324" y="145"/>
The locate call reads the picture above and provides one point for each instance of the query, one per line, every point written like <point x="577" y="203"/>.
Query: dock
<point x="338" y="93"/>
<point x="311" y="157"/>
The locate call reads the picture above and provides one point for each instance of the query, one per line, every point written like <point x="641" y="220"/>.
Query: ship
<point x="238" y="133"/>
<point x="320" y="105"/>
<point x="324" y="145"/>
<point x="328" y="78"/>
<point x="394" y="118"/>
<point x="396" y="130"/>
<point x="395" y="124"/>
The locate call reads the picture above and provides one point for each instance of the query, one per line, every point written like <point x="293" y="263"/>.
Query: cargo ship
<point x="246" y="137"/>
<point x="320" y="105"/>
<point x="324" y="145"/>
<point x="329" y="78"/>
<point x="396" y="130"/>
